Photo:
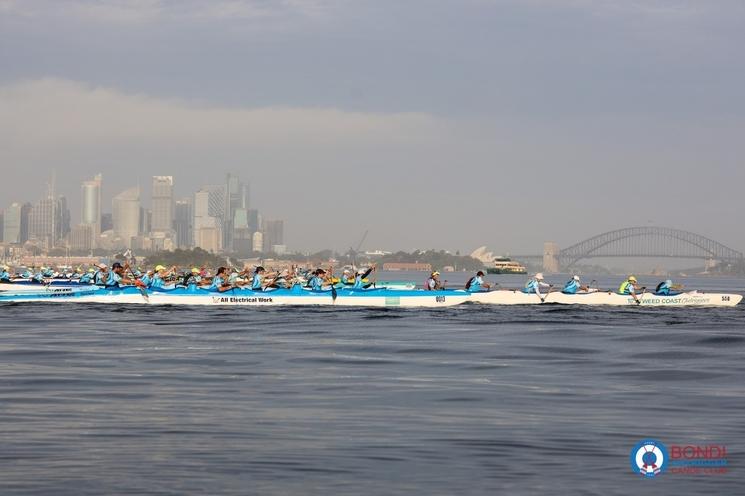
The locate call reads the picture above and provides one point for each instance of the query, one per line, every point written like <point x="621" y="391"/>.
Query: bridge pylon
<point x="551" y="257"/>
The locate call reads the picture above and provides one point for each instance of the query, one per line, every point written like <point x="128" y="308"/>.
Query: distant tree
<point x="184" y="258"/>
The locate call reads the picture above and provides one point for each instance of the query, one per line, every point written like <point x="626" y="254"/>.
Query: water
<point x="465" y="400"/>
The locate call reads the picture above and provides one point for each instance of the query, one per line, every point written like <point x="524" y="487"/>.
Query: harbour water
<point x="467" y="400"/>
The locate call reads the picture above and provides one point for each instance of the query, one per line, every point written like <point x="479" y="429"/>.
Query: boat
<point x="689" y="298"/>
<point x="505" y="265"/>
<point x="374" y="297"/>
<point x="24" y="285"/>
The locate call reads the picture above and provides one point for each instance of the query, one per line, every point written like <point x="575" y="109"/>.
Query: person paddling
<point x="664" y="288"/>
<point x="219" y="282"/>
<point x="477" y="284"/>
<point x="629" y="287"/>
<point x="433" y="282"/>
<point x="361" y="275"/>
<point x="535" y="284"/>
<point x="316" y="282"/>
<point x="574" y="285"/>
<point x="117" y="279"/>
<point x="4" y="274"/>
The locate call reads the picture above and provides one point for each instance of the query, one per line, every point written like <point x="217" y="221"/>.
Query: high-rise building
<point x="207" y="228"/>
<point x="184" y="221"/>
<point x="62" y="222"/>
<point x="258" y="242"/>
<point x="12" y="223"/>
<point x="91" y="211"/>
<point x="126" y="215"/>
<point x="162" y="204"/>
<point x="81" y="237"/>
<point x="274" y="234"/>
<point x="254" y="220"/>
<point x="42" y="219"/>
<point x="236" y="197"/>
<point x="107" y="222"/>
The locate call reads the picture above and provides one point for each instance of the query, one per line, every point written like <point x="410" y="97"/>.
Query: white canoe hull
<point x="691" y="298"/>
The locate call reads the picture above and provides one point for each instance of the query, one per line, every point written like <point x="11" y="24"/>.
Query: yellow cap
<point x="435" y="273"/>
<point x="632" y="278"/>
<point x="91" y="270"/>
<point x="158" y="268"/>
<point x="194" y="270"/>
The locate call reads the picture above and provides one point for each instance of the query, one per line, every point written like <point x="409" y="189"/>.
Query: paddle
<point x="334" y="294"/>
<point x="140" y="286"/>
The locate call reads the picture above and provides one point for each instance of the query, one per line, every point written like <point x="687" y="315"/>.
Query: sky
<point x="431" y="123"/>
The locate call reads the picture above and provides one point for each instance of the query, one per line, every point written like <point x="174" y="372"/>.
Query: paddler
<point x="433" y="282"/>
<point x="316" y="282"/>
<point x="664" y="288"/>
<point x="574" y="285"/>
<point x="629" y="287"/>
<point x="257" y="284"/>
<point x="361" y="275"/>
<point x="477" y="284"/>
<point x="4" y="274"/>
<point x="219" y="282"/>
<point x="535" y="284"/>
<point x="160" y="277"/>
<point x="87" y="277"/>
<point x="101" y="275"/>
<point x="116" y="277"/>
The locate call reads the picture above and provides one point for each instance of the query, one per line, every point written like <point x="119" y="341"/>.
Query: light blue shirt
<point x="571" y="287"/>
<point x="114" y="279"/>
<point x="217" y="283"/>
<point x="476" y="284"/>
<point x="256" y="283"/>
<point x="5" y="275"/>
<point x="316" y="283"/>
<point x="664" y="288"/>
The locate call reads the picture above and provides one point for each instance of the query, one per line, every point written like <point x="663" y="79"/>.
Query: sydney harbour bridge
<point x="647" y="242"/>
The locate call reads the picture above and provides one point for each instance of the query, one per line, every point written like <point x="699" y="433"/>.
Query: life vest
<point x="624" y="287"/>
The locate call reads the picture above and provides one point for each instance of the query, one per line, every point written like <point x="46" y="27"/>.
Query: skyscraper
<point x="126" y="215"/>
<point x="236" y="197"/>
<point x="42" y="220"/>
<point x="15" y="225"/>
<point x="162" y="204"/>
<point x="184" y="221"/>
<point x="91" y="211"/>
<point x="274" y="234"/>
<point x="207" y="228"/>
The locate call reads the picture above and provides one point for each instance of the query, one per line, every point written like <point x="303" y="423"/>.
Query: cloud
<point x="61" y="114"/>
<point x="144" y="11"/>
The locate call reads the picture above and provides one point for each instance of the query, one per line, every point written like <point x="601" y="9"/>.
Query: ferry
<point x="504" y="265"/>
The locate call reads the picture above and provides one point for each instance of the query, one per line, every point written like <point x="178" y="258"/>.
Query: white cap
<point x="539" y="276"/>
<point x="361" y="271"/>
<point x="102" y="266"/>
<point x="576" y="278"/>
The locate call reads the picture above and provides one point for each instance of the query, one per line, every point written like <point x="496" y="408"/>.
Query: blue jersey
<point x="256" y="283"/>
<point x="100" y="277"/>
<point x="476" y="284"/>
<point x="4" y="275"/>
<point x="664" y="288"/>
<point x="531" y="286"/>
<point x="316" y="283"/>
<point x="217" y="283"/>
<point x="571" y="287"/>
<point x="86" y="278"/>
<point x="146" y="280"/>
<point x="114" y="279"/>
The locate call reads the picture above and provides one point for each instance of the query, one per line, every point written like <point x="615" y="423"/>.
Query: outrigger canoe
<point x="690" y="298"/>
<point x="244" y="297"/>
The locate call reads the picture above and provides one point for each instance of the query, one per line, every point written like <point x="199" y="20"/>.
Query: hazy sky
<point x="432" y="123"/>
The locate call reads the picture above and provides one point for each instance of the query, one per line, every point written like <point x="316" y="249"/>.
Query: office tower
<point x="42" y="219"/>
<point x="184" y="219"/>
<point x="126" y="215"/>
<point x="162" y="204"/>
<point x="273" y="234"/>
<point x="15" y="225"/>
<point x="207" y="228"/>
<point x="91" y="210"/>
<point x="81" y="237"/>
<point x="258" y="242"/>
<point x="107" y="222"/>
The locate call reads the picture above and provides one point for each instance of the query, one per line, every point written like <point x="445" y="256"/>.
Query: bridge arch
<point x="648" y="241"/>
